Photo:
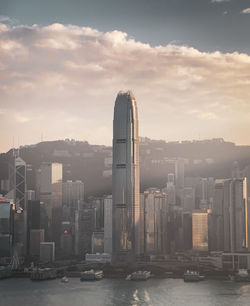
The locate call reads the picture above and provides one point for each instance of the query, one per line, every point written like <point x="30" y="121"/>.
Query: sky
<point x="63" y="62"/>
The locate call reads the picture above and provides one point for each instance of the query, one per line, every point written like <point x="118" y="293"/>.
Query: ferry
<point x="64" y="279"/>
<point x="192" y="276"/>
<point x="91" y="275"/>
<point x="43" y="274"/>
<point x="139" y="275"/>
<point x="242" y="276"/>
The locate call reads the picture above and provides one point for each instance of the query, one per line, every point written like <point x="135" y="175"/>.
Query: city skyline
<point x="60" y="72"/>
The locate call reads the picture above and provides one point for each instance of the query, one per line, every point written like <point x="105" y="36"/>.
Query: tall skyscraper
<point x="230" y="216"/>
<point x="49" y="192"/>
<point x="125" y="178"/>
<point x="17" y="176"/>
<point x="156" y="222"/>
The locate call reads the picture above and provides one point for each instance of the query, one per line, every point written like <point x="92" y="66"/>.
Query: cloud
<point x="219" y="1"/>
<point x="6" y="19"/>
<point x="62" y="80"/>
<point x="246" y="11"/>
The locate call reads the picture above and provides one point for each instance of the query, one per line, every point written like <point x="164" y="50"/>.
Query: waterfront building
<point x="84" y="226"/>
<point x="36" y="237"/>
<point x="66" y="239"/>
<point x="125" y="180"/>
<point x="200" y="230"/>
<point x="7" y="211"/>
<point x="230" y="212"/>
<point x="235" y="215"/>
<point x="156" y="218"/>
<point x="47" y="252"/>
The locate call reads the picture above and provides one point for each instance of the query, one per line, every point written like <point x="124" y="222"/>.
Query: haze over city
<point x="63" y="63"/>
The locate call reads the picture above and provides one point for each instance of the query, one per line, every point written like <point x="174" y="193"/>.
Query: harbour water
<point x="24" y="292"/>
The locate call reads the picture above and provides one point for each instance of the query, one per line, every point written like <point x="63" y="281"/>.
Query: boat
<point x="43" y="274"/>
<point x="64" y="279"/>
<point x="139" y="275"/>
<point x="91" y="275"/>
<point x="242" y="275"/>
<point x="192" y="276"/>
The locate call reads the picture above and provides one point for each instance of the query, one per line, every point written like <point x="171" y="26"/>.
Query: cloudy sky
<point x="62" y="63"/>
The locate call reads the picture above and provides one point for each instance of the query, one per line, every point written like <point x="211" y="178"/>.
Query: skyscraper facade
<point x="125" y="180"/>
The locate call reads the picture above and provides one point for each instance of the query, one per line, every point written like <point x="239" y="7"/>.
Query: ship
<point x="43" y="274"/>
<point x="192" y="276"/>
<point x="64" y="279"/>
<point x="139" y="275"/>
<point x="91" y="275"/>
<point x="242" y="276"/>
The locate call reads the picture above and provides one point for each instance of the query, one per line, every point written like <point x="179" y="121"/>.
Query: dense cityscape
<point x="164" y="207"/>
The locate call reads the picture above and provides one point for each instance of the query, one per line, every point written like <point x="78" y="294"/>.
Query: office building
<point x="18" y="192"/>
<point x="235" y="215"/>
<point x="84" y="226"/>
<point x="72" y="196"/>
<point x="36" y="237"/>
<point x="7" y="211"/>
<point x="47" y="252"/>
<point x="125" y="178"/>
<point x="188" y="199"/>
<point x="49" y="192"/>
<point x="156" y="218"/>
<point x="200" y="230"/>
<point x="108" y="224"/>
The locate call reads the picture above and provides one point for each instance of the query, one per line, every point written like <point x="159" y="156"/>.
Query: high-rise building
<point x="108" y="224"/>
<point x="170" y="189"/>
<point x="235" y="215"/>
<point x="83" y="229"/>
<point x="7" y="211"/>
<point x="49" y="192"/>
<point x="125" y="178"/>
<point x="200" y="230"/>
<point x="17" y="192"/>
<point x="188" y="199"/>
<point x="230" y="226"/>
<point x="156" y="222"/>
<point x="72" y="195"/>
<point x="179" y="172"/>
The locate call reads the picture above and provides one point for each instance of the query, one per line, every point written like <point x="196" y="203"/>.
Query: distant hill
<point x="92" y="163"/>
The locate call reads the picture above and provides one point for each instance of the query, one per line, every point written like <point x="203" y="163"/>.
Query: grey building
<point x="108" y="224"/>
<point x="230" y="216"/>
<point x="125" y="177"/>
<point x="156" y="219"/>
